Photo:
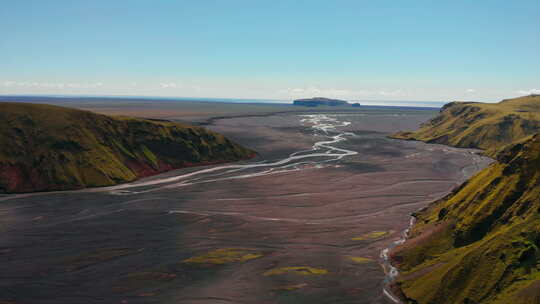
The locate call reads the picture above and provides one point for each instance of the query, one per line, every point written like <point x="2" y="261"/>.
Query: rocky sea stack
<point x="320" y="101"/>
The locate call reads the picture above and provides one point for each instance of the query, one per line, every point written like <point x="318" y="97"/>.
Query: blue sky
<point x="357" y="50"/>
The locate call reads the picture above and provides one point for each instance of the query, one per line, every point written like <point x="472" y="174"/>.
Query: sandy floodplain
<point x="304" y="222"/>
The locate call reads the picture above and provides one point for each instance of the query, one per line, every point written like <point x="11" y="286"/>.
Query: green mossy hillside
<point x="44" y="147"/>
<point x="481" y="125"/>
<point x="481" y="243"/>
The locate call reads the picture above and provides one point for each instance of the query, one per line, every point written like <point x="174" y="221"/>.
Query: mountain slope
<point x="45" y="147"/>
<point x="481" y="243"/>
<point x="481" y="125"/>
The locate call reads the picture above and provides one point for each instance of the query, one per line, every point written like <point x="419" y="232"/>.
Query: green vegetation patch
<point x="300" y="270"/>
<point x="290" y="287"/>
<point x="150" y="156"/>
<point x="151" y="276"/>
<point x="372" y="235"/>
<point x="224" y="256"/>
<point x="361" y="260"/>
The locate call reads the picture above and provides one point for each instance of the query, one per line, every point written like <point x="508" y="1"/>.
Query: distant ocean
<point x="44" y="98"/>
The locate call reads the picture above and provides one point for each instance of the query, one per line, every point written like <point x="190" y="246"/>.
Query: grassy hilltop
<point x="481" y="125"/>
<point x="481" y="243"/>
<point x="44" y="147"/>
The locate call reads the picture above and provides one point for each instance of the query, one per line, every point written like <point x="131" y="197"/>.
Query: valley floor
<point x="309" y="230"/>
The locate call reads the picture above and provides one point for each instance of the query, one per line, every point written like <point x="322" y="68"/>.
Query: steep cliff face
<point x="45" y="147"/>
<point x="480" y="125"/>
<point x="480" y="244"/>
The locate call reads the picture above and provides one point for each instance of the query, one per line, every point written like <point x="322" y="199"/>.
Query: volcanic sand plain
<point x="311" y="232"/>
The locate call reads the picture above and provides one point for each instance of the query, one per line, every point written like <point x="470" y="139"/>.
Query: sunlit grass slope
<point x="44" y="147"/>
<point x="481" y="125"/>
<point x="480" y="244"/>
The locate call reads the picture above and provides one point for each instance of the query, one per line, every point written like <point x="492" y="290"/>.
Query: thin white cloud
<point x="54" y="85"/>
<point x="84" y="85"/>
<point x="278" y="90"/>
<point x="168" y="85"/>
<point x="390" y="93"/>
<point x="529" y="91"/>
<point x="313" y="91"/>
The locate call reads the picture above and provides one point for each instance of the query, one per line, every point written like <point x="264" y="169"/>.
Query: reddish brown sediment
<point x="21" y="179"/>
<point x="397" y="292"/>
<point x="415" y="241"/>
<point x="531" y="293"/>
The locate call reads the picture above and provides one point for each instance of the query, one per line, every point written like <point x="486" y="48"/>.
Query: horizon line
<point x="187" y="98"/>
